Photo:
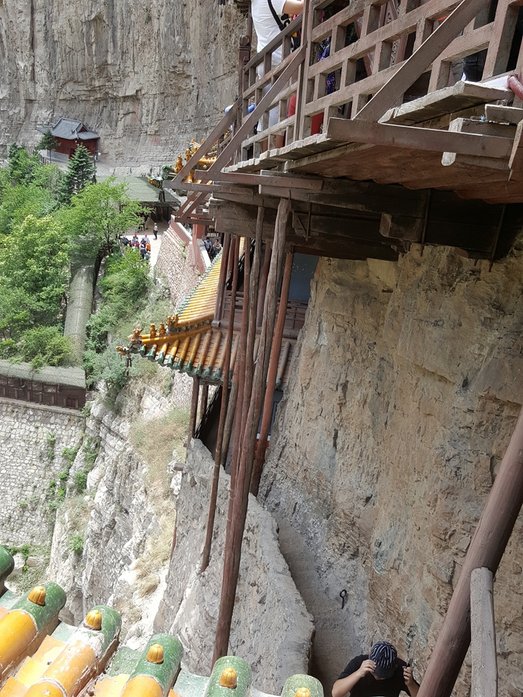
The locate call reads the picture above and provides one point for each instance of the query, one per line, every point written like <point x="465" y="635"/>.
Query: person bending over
<point x="377" y="674"/>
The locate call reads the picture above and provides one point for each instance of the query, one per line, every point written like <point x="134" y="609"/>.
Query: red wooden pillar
<point x="236" y="524"/>
<point x="225" y="405"/>
<point x="271" y="377"/>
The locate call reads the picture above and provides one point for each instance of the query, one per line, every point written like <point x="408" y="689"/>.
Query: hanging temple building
<point x="398" y="124"/>
<point x="407" y="130"/>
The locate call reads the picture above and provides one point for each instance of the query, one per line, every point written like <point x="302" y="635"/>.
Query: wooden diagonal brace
<point x="217" y="131"/>
<point x="392" y="92"/>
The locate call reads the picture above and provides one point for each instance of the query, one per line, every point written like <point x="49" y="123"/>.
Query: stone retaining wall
<point x="32" y="440"/>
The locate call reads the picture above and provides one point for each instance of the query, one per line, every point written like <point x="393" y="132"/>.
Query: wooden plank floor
<point x="402" y="154"/>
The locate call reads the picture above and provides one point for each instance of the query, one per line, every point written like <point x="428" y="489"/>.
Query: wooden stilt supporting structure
<point x="223" y="277"/>
<point x="240" y="367"/>
<point x="194" y="407"/>
<point x="240" y="493"/>
<point x="484" y="678"/>
<point x="263" y="285"/>
<point x="225" y="404"/>
<point x="271" y="377"/>
<point x="204" y="398"/>
<point x="486" y="549"/>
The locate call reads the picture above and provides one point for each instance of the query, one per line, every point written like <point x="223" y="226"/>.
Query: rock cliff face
<point x="146" y="77"/>
<point x="271" y="627"/>
<point x="126" y="521"/>
<point x="402" y="402"/>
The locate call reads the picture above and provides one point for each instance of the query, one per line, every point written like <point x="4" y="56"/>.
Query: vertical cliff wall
<point x="401" y="405"/>
<point x="146" y="77"/>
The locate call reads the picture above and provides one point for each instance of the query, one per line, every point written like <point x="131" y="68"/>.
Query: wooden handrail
<point x="396" y="44"/>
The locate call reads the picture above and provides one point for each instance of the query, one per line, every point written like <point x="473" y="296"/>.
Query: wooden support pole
<point x="271" y="377"/>
<point x="486" y="549"/>
<point x="236" y="528"/>
<point x="223" y="277"/>
<point x="263" y="284"/>
<point x="254" y="298"/>
<point x="225" y="403"/>
<point x="484" y="681"/>
<point x="204" y="399"/>
<point x="194" y="407"/>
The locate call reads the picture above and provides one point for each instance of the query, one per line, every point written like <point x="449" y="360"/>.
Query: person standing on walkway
<point x="155" y="231"/>
<point x="270" y="17"/>
<point x="379" y="673"/>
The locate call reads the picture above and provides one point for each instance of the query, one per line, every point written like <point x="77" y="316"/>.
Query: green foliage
<point x="96" y="218"/>
<point x="50" y="178"/>
<point x="76" y="543"/>
<point x="50" y="446"/>
<point x="80" y="481"/>
<point x="45" y="346"/>
<point x="47" y="142"/>
<point x="124" y="290"/>
<point x="18" y="202"/>
<point x="24" y="550"/>
<point x="126" y="280"/>
<point x="69" y="454"/>
<point x="32" y="290"/>
<point x="81" y="171"/>
<point x="106" y="366"/>
<point x="91" y="449"/>
<point x="21" y="166"/>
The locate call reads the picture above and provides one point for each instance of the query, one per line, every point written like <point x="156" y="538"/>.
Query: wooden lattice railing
<point x="353" y="49"/>
<point x="259" y="76"/>
<point x="357" y="60"/>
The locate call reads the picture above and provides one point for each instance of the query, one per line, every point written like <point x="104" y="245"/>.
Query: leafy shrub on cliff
<point x="124" y="289"/>
<point x="45" y="346"/>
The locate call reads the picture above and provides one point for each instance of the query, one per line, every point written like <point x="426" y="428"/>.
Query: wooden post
<point x="271" y="377"/>
<point x="223" y="411"/>
<point x="204" y="399"/>
<point x="301" y="96"/>
<point x="263" y="284"/>
<point x="194" y="407"/>
<point x="223" y="277"/>
<point x="251" y="330"/>
<point x="236" y="528"/>
<point x="483" y="632"/>
<point x="486" y="549"/>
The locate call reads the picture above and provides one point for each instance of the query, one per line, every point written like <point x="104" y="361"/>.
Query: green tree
<point x="34" y="273"/>
<point x="96" y="218"/>
<point x="80" y="172"/>
<point x="47" y="142"/>
<point x="21" y="166"/>
<point x="17" y="202"/>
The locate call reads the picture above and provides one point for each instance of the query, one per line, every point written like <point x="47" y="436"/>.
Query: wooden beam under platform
<point x="361" y="216"/>
<point x="417" y="138"/>
<point x="286" y="180"/>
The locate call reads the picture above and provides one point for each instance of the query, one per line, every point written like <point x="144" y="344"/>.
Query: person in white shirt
<point x="265" y="24"/>
<point x="269" y="18"/>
